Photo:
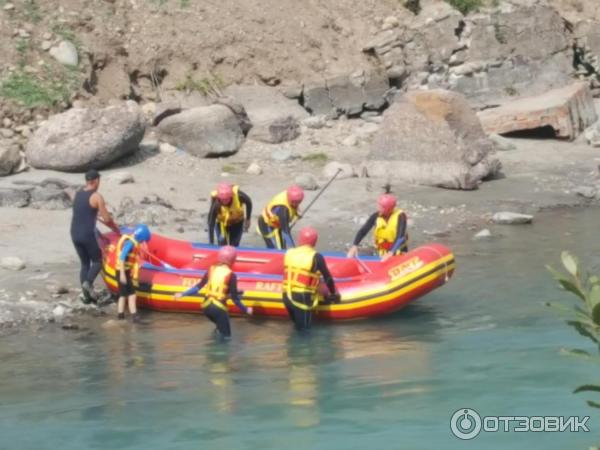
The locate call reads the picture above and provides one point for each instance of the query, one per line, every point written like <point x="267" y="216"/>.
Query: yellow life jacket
<point x="131" y="263"/>
<point x="232" y="213"/>
<point x="299" y="275"/>
<point x="216" y="291"/>
<point x="280" y="199"/>
<point x="385" y="233"/>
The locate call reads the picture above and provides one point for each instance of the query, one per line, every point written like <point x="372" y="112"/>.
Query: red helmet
<point x="224" y="192"/>
<point x="295" y="194"/>
<point x="227" y="255"/>
<point x="308" y="236"/>
<point x="386" y="204"/>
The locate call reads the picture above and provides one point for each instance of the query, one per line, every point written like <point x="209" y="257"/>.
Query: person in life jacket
<point x="218" y="285"/>
<point x="128" y="262"/>
<point x="229" y="215"/>
<point x="390" y="229"/>
<point x="278" y="216"/>
<point x="303" y="267"/>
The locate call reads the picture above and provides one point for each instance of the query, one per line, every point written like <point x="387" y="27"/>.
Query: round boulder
<point x="84" y="138"/>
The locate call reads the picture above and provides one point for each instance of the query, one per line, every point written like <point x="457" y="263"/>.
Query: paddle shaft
<point x="317" y="196"/>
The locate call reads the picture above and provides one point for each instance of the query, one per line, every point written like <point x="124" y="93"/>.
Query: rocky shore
<point x="473" y="119"/>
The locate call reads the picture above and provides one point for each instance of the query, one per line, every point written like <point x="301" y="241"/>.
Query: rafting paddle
<point x="317" y="196"/>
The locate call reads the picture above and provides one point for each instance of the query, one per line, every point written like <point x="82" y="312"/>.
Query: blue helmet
<point x="142" y="233"/>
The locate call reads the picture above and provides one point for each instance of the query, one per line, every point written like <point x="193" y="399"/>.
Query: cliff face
<point x="146" y="50"/>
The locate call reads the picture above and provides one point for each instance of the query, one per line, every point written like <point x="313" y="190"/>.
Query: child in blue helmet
<point x="127" y="268"/>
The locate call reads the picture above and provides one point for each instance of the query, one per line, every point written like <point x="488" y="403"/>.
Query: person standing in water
<point x="303" y="267"/>
<point x="87" y="204"/>
<point x="220" y="284"/>
<point x="229" y="215"/>
<point x="128" y="264"/>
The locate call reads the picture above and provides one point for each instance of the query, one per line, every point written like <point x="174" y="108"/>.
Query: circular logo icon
<point x="465" y="424"/>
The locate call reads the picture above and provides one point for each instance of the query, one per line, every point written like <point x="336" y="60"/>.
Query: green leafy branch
<point x="583" y="317"/>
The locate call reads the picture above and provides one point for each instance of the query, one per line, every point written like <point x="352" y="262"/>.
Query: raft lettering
<point x="405" y="268"/>
<point x="271" y="287"/>
<point x="189" y="282"/>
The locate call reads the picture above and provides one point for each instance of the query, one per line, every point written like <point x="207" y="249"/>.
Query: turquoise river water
<point x="485" y="341"/>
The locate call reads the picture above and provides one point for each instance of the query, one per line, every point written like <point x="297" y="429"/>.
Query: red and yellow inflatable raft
<point x="368" y="287"/>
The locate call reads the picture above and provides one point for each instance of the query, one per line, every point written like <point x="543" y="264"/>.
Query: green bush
<point x="32" y="11"/>
<point x="583" y="317"/>
<point x="466" y="6"/>
<point x="316" y="157"/>
<point x="32" y="90"/>
<point x="208" y="85"/>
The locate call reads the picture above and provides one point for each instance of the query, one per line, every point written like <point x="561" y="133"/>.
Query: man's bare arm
<point x="97" y="201"/>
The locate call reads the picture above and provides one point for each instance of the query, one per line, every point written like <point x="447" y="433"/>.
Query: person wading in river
<point x="87" y="204"/>
<point x="218" y="285"/>
<point x="303" y="267"/>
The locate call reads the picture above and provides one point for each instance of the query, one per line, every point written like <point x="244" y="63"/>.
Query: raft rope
<point x="437" y="252"/>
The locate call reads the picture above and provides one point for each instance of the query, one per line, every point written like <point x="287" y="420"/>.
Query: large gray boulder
<point x="205" y="131"/>
<point x="10" y="158"/>
<point x="432" y="138"/>
<point x="275" y="118"/>
<point x="84" y="138"/>
<point x="346" y="94"/>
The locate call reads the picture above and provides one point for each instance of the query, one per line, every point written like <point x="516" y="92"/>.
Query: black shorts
<point x="126" y="289"/>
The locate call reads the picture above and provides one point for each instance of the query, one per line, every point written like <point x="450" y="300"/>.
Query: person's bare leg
<point x="133" y="307"/>
<point x="121" y="307"/>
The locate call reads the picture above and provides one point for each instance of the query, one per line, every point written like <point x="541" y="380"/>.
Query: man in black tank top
<point x="87" y="203"/>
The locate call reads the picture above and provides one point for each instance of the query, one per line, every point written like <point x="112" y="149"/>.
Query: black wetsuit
<point x="303" y="318"/>
<point x="283" y="235"/>
<point x="235" y="230"/>
<point x="399" y="243"/>
<point x="83" y="235"/>
<point x="217" y="315"/>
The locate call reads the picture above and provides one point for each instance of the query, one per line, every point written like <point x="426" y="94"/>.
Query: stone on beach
<point x="12" y="263"/>
<point x="120" y="178"/>
<point x="483" y="234"/>
<point x="306" y="181"/>
<point x="511" y="218"/>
